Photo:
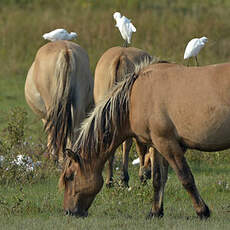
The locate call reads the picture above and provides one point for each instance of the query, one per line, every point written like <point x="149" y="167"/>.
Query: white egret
<point x="59" y="34"/>
<point x="136" y="161"/>
<point x="194" y="47"/>
<point x="125" y="27"/>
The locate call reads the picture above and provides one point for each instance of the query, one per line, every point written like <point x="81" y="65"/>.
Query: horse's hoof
<point x="152" y="215"/>
<point x="143" y="180"/>
<point x="124" y="184"/>
<point x="204" y="214"/>
<point x="125" y="181"/>
<point x="146" y="175"/>
<point x="109" y="184"/>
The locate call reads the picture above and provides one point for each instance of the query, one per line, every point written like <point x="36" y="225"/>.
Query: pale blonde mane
<point x="98" y="131"/>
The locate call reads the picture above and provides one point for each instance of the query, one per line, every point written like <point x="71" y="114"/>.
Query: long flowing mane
<point x="98" y="131"/>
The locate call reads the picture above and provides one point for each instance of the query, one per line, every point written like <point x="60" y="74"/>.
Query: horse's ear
<point x="74" y="156"/>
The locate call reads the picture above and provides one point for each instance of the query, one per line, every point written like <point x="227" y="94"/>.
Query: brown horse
<point x="168" y="106"/>
<point x="59" y="89"/>
<point x="115" y="64"/>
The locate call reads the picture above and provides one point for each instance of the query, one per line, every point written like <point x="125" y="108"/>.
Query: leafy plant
<point x="21" y="160"/>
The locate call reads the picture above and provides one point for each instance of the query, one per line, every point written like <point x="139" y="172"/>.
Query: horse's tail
<point x="109" y="117"/>
<point x="59" y="120"/>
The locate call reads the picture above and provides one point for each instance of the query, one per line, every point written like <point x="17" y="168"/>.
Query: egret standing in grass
<point x="125" y="27"/>
<point x="59" y="34"/>
<point x="194" y="47"/>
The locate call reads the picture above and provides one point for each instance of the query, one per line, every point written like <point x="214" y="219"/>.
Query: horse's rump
<point x="62" y="89"/>
<point x="114" y="65"/>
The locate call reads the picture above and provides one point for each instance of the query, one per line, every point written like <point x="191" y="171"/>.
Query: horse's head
<point x="81" y="184"/>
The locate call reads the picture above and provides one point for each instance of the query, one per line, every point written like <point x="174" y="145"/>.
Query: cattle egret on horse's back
<point x="125" y="27"/>
<point x="194" y="47"/>
<point x="59" y="34"/>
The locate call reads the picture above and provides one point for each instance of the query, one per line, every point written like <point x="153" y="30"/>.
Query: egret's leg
<point x="196" y="61"/>
<point x="125" y="44"/>
<point x="188" y="63"/>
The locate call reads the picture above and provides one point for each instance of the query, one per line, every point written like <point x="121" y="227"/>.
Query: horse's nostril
<point x="67" y="212"/>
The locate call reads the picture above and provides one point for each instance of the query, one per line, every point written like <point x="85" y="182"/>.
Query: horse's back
<point x="41" y="78"/>
<point x="114" y="64"/>
<point x="189" y="104"/>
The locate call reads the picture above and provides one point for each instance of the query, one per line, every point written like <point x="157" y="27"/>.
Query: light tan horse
<point x="168" y="106"/>
<point x="112" y="67"/>
<point x="59" y="89"/>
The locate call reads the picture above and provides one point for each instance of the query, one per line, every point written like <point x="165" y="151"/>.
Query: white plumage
<point x="136" y="161"/>
<point x="125" y="27"/>
<point x="194" y="46"/>
<point x="59" y="34"/>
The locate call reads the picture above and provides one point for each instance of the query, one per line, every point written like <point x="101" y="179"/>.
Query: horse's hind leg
<point x="174" y="154"/>
<point x="159" y="178"/>
<point x="126" y="148"/>
<point x="109" y="177"/>
<point x="142" y="150"/>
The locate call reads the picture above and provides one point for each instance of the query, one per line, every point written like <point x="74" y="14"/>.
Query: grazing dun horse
<point x="59" y="89"/>
<point x="168" y="106"/>
<point x="115" y="64"/>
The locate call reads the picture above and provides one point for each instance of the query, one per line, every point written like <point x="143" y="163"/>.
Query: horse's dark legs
<point x="141" y="150"/>
<point x="126" y="146"/>
<point x="144" y="172"/>
<point x="174" y="154"/>
<point x="159" y="179"/>
<point x="109" y="178"/>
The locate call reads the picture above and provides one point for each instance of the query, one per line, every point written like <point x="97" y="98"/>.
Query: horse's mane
<point x="98" y="131"/>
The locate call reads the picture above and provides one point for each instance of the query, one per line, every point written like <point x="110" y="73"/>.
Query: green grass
<point x="41" y="204"/>
<point x="163" y="29"/>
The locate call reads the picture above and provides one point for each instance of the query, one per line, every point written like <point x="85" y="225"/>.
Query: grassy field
<point x="163" y="29"/>
<point x="39" y="205"/>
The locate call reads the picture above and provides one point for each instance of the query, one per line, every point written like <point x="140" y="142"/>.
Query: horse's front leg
<point x="174" y="154"/>
<point x="159" y="169"/>
<point x="125" y="161"/>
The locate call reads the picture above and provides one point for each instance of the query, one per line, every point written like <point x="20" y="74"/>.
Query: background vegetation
<point x="31" y="199"/>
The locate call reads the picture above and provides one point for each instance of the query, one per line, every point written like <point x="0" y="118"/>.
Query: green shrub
<point x="32" y="166"/>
